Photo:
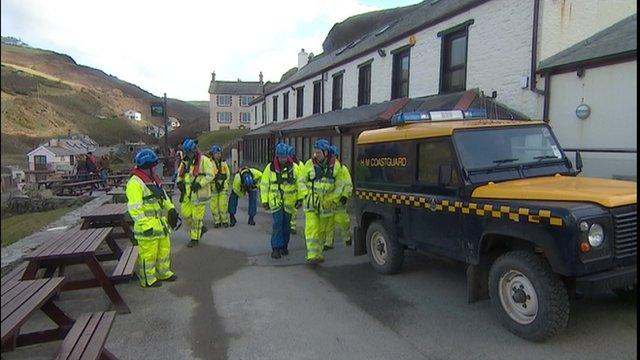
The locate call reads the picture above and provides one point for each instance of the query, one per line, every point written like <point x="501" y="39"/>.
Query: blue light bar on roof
<point x="475" y="113"/>
<point x="409" y="117"/>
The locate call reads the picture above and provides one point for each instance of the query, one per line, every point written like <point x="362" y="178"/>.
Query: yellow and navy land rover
<point x="502" y="197"/>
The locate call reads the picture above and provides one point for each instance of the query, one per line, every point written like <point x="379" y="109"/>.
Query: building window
<point x="255" y="115"/>
<point x="453" y="62"/>
<point x="264" y="111"/>
<point x="245" y="100"/>
<point x="317" y="96"/>
<point x="300" y="101"/>
<point x="223" y="100"/>
<point x="275" y="108"/>
<point x="364" y="85"/>
<point x="285" y="106"/>
<point x="400" y="76"/>
<point x="245" y="117"/>
<point x="224" y="117"/>
<point x="336" y="92"/>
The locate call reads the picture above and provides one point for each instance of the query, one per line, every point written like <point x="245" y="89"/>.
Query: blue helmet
<point x="247" y="179"/>
<point x="146" y="158"/>
<point x="334" y="150"/>
<point x="282" y="149"/>
<point x="291" y="151"/>
<point x="215" y="149"/>
<point x="322" y="144"/>
<point x="188" y="145"/>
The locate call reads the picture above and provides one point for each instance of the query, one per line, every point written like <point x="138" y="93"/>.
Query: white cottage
<point x="133" y="115"/>
<point x="52" y="158"/>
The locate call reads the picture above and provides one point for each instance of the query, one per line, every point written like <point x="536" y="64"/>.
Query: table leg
<point x="51" y="269"/>
<point x="127" y="230"/>
<point x="107" y="355"/>
<point x="57" y="315"/>
<point x="107" y="285"/>
<point x="113" y="245"/>
<point x="31" y="271"/>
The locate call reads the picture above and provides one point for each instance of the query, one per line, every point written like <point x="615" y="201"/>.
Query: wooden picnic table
<point x="79" y="246"/>
<point x="117" y="180"/>
<point x="80" y="187"/>
<point x="20" y="299"/>
<point x="111" y="215"/>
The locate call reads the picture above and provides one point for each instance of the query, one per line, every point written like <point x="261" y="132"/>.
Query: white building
<point x="433" y="48"/>
<point x="174" y="123"/>
<point x="133" y="115"/>
<point x="229" y="103"/>
<point x="592" y="92"/>
<point x="155" y="131"/>
<point x="52" y="158"/>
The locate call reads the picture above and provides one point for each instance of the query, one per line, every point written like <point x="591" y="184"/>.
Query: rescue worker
<point x="278" y="195"/>
<point x="219" y="188"/>
<point x="320" y="191"/>
<point x="154" y="216"/>
<point x="294" y="216"/>
<point x="195" y="175"/>
<point x="341" y="218"/>
<point x="245" y="181"/>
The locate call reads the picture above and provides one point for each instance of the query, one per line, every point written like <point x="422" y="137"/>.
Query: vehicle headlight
<point x="596" y="235"/>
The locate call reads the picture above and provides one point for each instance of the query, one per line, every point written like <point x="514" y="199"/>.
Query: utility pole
<point x="166" y="133"/>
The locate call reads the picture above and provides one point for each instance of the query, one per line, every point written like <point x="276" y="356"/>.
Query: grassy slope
<point x="219" y="137"/>
<point x="69" y="96"/>
<point x="16" y="227"/>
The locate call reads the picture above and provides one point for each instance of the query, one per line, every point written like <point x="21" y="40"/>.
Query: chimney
<point x="213" y="76"/>
<point x="260" y="77"/>
<point x="303" y="59"/>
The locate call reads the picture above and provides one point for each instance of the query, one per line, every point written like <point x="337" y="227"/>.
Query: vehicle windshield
<point x="506" y="147"/>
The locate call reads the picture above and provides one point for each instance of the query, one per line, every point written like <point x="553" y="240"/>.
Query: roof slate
<point x="620" y="38"/>
<point x="235" y="87"/>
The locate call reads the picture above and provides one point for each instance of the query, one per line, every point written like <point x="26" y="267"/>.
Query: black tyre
<point x="528" y="297"/>
<point x="385" y="253"/>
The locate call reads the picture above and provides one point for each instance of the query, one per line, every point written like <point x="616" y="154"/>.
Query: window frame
<point x="245" y="100"/>
<point x="317" y="96"/>
<point x="362" y="93"/>
<point x="395" y="84"/>
<point x="245" y="113"/>
<point x="274" y="111"/>
<point x="218" y="117"/>
<point x="299" y="101"/>
<point x="337" y="96"/>
<point x="285" y="105"/>
<point x="431" y="188"/>
<point x="448" y="36"/>
<point x="219" y="103"/>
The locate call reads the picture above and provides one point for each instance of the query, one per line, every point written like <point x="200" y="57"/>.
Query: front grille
<point x="626" y="235"/>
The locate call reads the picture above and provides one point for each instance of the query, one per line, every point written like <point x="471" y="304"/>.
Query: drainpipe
<point x="547" y="97"/>
<point x="322" y="93"/>
<point x="534" y="50"/>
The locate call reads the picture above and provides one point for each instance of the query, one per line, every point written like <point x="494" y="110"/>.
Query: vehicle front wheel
<point x="628" y="294"/>
<point x="528" y="297"/>
<point x="385" y="253"/>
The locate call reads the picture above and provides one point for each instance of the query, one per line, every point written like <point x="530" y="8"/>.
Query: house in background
<point x="592" y="105"/>
<point x="229" y="103"/>
<point x="155" y="131"/>
<point x="58" y="155"/>
<point x="173" y="124"/>
<point x="133" y="115"/>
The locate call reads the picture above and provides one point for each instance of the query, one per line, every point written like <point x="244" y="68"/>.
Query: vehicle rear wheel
<point x="628" y="294"/>
<point x="528" y="297"/>
<point x="385" y="253"/>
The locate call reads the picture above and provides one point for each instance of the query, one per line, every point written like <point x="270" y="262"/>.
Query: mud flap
<point x="477" y="283"/>
<point x="359" y="243"/>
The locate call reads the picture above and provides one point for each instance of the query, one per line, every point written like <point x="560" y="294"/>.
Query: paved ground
<point x="233" y="301"/>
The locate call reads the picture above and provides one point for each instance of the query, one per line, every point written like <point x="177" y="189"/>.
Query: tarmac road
<point x="232" y="301"/>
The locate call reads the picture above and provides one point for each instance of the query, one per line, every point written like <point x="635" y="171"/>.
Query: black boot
<point x="251" y="222"/>
<point x="216" y="225"/>
<point x="225" y="225"/>
<point x="172" y="278"/>
<point x="232" y="220"/>
<point x="275" y="254"/>
<point x="192" y="243"/>
<point x="284" y="252"/>
<point x="293" y="231"/>
<point x="156" y="284"/>
<point x="204" y="230"/>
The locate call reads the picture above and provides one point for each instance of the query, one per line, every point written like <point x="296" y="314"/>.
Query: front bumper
<point x="613" y="279"/>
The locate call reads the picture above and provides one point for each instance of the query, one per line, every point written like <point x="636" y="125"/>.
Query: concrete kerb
<point x="13" y="254"/>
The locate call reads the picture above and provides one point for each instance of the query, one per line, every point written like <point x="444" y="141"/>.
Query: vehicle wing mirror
<point x="445" y="173"/>
<point x="578" y="162"/>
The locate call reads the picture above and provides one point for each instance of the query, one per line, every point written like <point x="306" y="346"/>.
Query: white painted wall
<point x="611" y="93"/>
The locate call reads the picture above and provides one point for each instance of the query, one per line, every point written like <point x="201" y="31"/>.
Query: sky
<point x="173" y="46"/>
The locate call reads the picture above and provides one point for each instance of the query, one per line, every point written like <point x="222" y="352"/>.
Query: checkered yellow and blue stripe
<point x="517" y="214"/>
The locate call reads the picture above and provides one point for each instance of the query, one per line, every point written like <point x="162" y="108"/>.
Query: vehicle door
<point x="436" y="224"/>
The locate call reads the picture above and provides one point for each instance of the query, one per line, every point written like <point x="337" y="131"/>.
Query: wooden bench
<point x="123" y="271"/>
<point x="15" y="274"/>
<point x="81" y="187"/>
<point x="86" y="338"/>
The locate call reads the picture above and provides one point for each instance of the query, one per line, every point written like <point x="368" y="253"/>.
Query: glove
<point x="148" y="232"/>
<point x="173" y="218"/>
<point x="298" y="204"/>
<point x="196" y="186"/>
<point x="265" y="206"/>
<point x="181" y="186"/>
<point x="343" y="200"/>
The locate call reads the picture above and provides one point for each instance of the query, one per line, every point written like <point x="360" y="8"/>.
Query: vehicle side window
<point x="431" y="155"/>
